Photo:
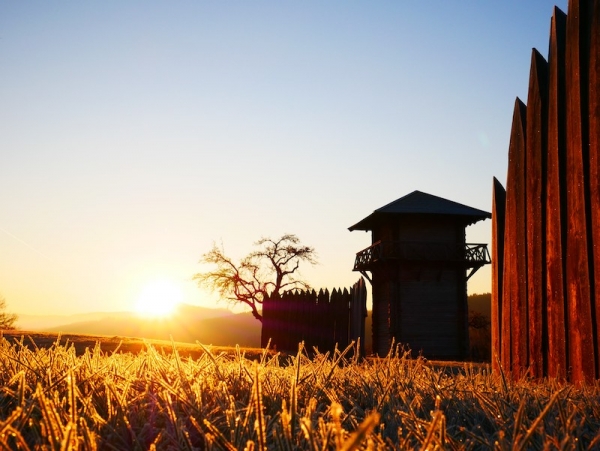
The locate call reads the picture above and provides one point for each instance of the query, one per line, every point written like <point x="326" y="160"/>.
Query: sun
<point x="158" y="298"/>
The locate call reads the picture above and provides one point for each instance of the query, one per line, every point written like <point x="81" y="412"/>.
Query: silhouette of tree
<point x="480" y="336"/>
<point x="7" y="320"/>
<point x="478" y="320"/>
<point x="272" y="268"/>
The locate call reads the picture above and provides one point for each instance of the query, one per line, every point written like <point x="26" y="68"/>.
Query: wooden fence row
<point x="321" y="320"/>
<point x="546" y="225"/>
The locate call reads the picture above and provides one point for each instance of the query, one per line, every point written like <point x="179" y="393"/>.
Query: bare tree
<point x="478" y="320"/>
<point x="7" y="320"/>
<point x="272" y="268"/>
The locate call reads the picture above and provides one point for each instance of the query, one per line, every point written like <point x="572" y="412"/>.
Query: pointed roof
<point x="419" y="203"/>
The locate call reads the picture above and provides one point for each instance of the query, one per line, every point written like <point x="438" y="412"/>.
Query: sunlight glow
<point x="159" y="298"/>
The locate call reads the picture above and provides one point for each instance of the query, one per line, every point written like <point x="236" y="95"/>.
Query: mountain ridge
<point x="188" y="323"/>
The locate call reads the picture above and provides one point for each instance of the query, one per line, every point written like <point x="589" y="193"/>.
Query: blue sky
<point x="134" y="134"/>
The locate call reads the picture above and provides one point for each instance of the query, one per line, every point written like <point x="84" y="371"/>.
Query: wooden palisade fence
<point x="546" y="225"/>
<point x="320" y="320"/>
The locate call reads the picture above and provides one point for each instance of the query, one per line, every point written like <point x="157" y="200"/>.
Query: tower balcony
<point x="468" y="256"/>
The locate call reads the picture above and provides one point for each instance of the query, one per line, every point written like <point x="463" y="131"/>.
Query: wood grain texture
<point x="594" y="158"/>
<point x="535" y="164"/>
<point x="514" y="325"/>
<point x="580" y="330"/>
<point x="505" y="306"/>
<point x="555" y="201"/>
<point x="498" y="218"/>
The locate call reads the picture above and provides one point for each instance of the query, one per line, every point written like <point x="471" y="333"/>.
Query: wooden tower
<point x="420" y="263"/>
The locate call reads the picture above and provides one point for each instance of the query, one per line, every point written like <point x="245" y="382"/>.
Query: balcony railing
<point x="466" y="255"/>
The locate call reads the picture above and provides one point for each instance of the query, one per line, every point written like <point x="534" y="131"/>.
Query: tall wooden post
<point x="514" y="304"/>
<point x="581" y="348"/>
<point x="594" y="158"/>
<point x="536" y="209"/>
<point x="498" y="217"/>
<point x="555" y="200"/>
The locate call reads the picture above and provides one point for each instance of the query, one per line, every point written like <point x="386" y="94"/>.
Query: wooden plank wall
<point x="433" y="319"/>
<point x="546" y="277"/>
<point x="320" y="320"/>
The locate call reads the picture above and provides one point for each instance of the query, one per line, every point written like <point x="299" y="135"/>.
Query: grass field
<point x="63" y="395"/>
<point x="109" y="345"/>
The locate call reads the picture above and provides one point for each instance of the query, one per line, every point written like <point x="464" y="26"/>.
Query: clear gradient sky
<point x="134" y="134"/>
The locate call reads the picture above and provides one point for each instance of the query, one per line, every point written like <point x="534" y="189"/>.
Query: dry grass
<point x="111" y="344"/>
<point x="58" y="399"/>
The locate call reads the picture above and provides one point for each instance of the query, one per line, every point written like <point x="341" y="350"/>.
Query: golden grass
<point x="109" y="344"/>
<point x="57" y="398"/>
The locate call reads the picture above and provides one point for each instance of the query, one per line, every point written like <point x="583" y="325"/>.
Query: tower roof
<point x="419" y="203"/>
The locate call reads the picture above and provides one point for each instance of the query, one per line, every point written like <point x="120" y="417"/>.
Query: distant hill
<point x="43" y="322"/>
<point x="189" y="323"/>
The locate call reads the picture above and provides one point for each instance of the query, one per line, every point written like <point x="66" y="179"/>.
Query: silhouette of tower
<point x="420" y="263"/>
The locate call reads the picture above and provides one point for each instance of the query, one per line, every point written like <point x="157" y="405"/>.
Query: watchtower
<point x="420" y="263"/>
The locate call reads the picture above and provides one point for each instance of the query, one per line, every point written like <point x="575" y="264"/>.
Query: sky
<point x="134" y="135"/>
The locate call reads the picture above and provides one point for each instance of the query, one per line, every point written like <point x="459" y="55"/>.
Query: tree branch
<point x="268" y="270"/>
